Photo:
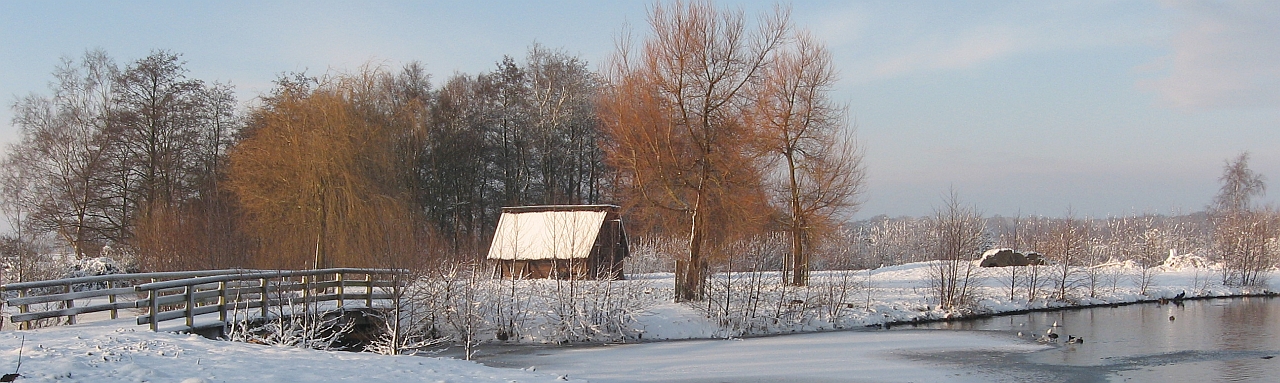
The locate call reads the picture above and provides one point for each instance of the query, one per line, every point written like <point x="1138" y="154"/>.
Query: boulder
<point x="1008" y="257"/>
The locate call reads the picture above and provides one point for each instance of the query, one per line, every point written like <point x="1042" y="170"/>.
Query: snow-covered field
<point x="119" y="351"/>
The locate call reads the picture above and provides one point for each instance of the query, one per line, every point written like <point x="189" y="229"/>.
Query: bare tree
<point x="1066" y="248"/>
<point x="1147" y="241"/>
<point x="61" y="162"/>
<point x="1098" y="253"/>
<point x="157" y="122"/>
<point x="676" y="130"/>
<point x="1035" y="238"/>
<point x="19" y="251"/>
<point x="1010" y="235"/>
<point x="818" y="171"/>
<point x="562" y="94"/>
<point x="1241" y="232"/>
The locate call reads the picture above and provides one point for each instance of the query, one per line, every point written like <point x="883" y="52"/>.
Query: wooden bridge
<point x="156" y="298"/>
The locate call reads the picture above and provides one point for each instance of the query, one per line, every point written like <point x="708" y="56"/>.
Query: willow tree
<point x="312" y="176"/>
<point x="676" y="125"/>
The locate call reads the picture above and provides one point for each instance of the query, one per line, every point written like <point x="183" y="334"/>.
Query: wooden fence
<point x="188" y="294"/>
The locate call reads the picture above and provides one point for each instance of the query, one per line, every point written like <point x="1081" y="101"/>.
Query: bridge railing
<point x="175" y="295"/>
<point x="61" y="294"/>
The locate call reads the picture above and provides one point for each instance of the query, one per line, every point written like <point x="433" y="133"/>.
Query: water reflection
<point x="1210" y="340"/>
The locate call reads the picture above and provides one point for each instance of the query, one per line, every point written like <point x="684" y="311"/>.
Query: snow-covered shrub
<point x="89" y="267"/>
<point x="407" y="326"/>
<point x="761" y="302"/>
<point x="1186" y="261"/>
<point x="298" y="322"/>
<point x="124" y="257"/>
<point x="461" y="303"/>
<point x="652" y="255"/>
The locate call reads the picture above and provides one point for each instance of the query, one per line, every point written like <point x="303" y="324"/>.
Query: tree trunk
<point x="689" y="271"/>
<point x="800" y="263"/>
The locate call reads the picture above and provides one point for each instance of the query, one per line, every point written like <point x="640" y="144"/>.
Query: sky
<point x="1095" y="108"/>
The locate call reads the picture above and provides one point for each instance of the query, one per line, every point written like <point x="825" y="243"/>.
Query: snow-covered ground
<point x="119" y="351"/>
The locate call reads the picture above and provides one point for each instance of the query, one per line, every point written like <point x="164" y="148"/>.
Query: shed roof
<point x="548" y="232"/>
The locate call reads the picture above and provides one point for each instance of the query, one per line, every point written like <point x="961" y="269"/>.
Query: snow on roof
<point x="541" y="234"/>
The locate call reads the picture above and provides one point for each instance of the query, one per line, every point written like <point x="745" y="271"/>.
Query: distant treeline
<point x="378" y="166"/>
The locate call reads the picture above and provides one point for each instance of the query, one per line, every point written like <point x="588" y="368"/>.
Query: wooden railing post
<point x="264" y="299"/>
<point x="222" y="302"/>
<point x="23" y="309"/>
<point x="190" y="291"/>
<point x="111" y="299"/>
<point x="71" y="319"/>
<point x="340" y="289"/>
<point x="153" y="297"/>
<point x="306" y="290"/>
<point x="368" y="299"/>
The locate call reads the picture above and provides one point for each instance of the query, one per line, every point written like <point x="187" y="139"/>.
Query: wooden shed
<point x="559" y="241"/>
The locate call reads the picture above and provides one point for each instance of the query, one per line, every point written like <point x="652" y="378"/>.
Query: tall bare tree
<point x="562" y="93"/>
<point x="158" y="123"/>
<point x="169" y="137"/>
<point x="675" y="120"/>
<point x="62" y="157"/>
<point x="817" y="167"/>
<point x="1243" y="234"/>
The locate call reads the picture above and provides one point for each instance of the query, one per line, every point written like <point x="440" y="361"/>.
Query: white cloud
<point x="878" y="43"/>
<point x="839" y="26"/>
<point x="1224" y="55"/>
<point x="958" y="52"/>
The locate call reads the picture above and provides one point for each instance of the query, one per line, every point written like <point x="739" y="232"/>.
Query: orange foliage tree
<point x="677" y="127"/>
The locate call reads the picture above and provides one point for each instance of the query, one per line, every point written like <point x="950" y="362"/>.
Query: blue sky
<point x="1022" y="107"/>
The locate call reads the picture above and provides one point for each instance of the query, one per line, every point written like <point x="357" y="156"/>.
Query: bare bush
<point x="654" y="254"/>
<point x="958" y="238"/>
<point x="1066" y="249"/>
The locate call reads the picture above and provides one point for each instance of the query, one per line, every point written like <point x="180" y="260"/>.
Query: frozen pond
<point x="1219" y="340"/>
<point x="847" y="356"/>
<point x="1210" y="340"/>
